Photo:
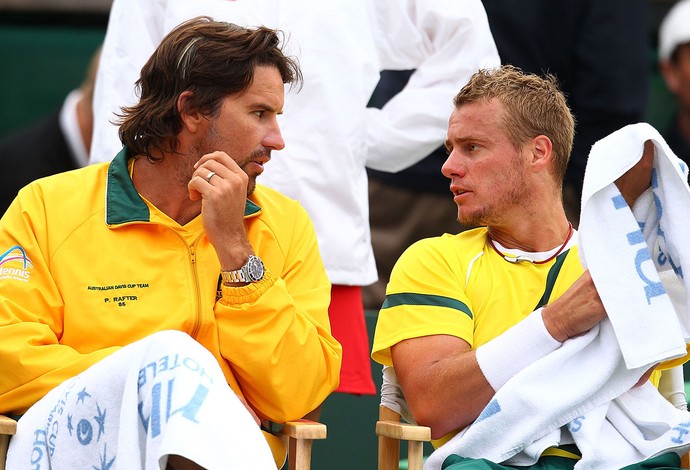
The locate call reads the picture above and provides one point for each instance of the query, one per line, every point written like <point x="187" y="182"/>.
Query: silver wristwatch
<point x="252" y="271"/>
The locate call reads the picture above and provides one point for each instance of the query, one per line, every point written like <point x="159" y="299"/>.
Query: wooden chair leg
<point x="389" y="448"/>
<point x="8" y="427"/>
<point x="391" y="431"/>
<point x="415" y="455"/>
<point x="300" y="435"/>
<point x="300" y="454"/>
<point x="685" y="460"/>
<point x="389" y="453"/>
<point x="4" y="444"/>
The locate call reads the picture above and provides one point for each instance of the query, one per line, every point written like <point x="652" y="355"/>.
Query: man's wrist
<point x="556" y="330"/>
<point x="251" y="271"/>
<point x="518" y="347"/>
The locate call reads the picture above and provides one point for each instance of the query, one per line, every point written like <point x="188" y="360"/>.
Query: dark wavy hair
<point x="212" y="59"/>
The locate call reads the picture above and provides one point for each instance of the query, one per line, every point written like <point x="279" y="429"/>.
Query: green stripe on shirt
<point x="551" y="279"/>
<point x="409" y="298"/>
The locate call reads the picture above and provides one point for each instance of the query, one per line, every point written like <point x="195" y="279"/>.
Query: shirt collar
<point x="122" y="201"/>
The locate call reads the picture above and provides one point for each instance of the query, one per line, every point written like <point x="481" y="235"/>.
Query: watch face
<point x="255" y="269"/>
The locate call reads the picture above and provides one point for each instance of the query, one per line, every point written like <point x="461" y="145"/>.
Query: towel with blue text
<point x="162" y="395"/>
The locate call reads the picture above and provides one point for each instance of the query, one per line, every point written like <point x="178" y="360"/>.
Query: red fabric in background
<point x="348" y="326"/>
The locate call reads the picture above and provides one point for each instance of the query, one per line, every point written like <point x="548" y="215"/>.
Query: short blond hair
<point x="534" y="106"/>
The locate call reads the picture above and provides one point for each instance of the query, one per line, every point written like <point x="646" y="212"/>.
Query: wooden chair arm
<point x="391" y="431"/>
<point x="403" y="431"/>
<point x="304" y="429"/>
<point x="8" y="426"/>
<point x="299" y="435"/>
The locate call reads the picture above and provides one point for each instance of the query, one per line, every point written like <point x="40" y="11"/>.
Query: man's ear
<point x="190" y="117"/>
<point x="542" y="152"/>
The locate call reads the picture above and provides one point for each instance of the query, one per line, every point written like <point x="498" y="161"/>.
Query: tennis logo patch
<point x="14" y="264"/>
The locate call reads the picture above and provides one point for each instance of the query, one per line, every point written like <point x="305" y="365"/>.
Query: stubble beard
<point x="511" y="199"/>
<point x="251" y="185"/>
<point x="262" y="152"/>
<point x="209" y="144"/>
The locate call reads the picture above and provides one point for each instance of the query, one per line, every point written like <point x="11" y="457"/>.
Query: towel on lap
<point x="162" y="395"/>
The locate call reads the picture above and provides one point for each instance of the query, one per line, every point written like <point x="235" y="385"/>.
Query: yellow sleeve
<point x="425" y="296"/>
<point x="276" y="334"/>
<point x="31" y="311"/>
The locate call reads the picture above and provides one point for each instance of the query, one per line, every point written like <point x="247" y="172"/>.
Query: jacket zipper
<point x="197" y="294"/>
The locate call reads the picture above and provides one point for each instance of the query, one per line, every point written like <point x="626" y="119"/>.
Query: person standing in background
<point x="330" y="134"/>
<point x="598" y="51"/>
<point x="56" y="143"/>
<point x="405" y="206"/>
<point x="574" y="40"/>
<point x="674" y="64"/>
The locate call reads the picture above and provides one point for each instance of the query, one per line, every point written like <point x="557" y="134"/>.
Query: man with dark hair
<point x="174" y="234"/>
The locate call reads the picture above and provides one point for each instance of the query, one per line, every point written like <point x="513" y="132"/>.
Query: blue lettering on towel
<point x="663" y="257"/>
<point x="40" y="443"/>
<point x="682" y="430"/>
<point x="576" y="425"/>
<point x="167" y="363"/>
<point x="152" y="423"/>
<point x="652" y="288"/>
<point x="491" y="409"/>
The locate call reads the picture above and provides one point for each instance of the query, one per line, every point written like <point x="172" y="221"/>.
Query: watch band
<point x="233" y="276"/>
<point x="252" y="271"/>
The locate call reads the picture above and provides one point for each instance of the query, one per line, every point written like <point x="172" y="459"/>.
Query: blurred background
<point x="46" y="46"/>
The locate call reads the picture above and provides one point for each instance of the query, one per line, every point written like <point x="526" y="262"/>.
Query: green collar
<point x="122" y="201"/>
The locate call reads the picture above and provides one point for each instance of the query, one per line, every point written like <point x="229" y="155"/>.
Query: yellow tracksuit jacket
<point x="87" y="266"/>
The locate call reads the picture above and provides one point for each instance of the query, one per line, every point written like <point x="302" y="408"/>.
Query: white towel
<point x="525" y="415"/>
<point x="159" y="396"/>
<point x="622" y="258"/>
<point x="581" y="392"/>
